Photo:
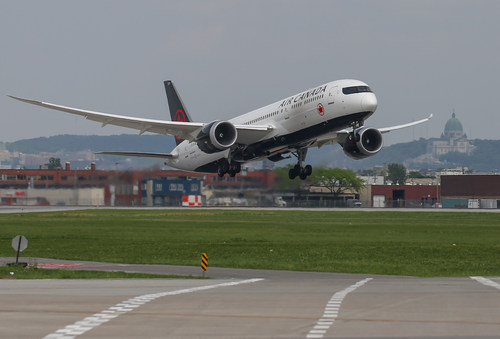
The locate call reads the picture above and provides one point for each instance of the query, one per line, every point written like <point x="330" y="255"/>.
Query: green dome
<point x="453" y="125"/>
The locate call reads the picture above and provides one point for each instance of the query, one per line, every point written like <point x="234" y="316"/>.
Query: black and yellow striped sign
<point x="204" y="262"/>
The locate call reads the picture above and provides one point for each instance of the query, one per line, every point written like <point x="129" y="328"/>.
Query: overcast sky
<point x="229" y="57"/>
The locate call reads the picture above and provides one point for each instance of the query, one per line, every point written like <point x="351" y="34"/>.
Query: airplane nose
<point x="369" y="102"/>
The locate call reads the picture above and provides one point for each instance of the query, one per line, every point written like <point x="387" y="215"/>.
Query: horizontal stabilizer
<point x="140" y="154"/>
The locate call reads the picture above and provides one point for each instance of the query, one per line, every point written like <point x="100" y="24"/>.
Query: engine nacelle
<point x="363" y="142"/>
<point x="217" y="136"/>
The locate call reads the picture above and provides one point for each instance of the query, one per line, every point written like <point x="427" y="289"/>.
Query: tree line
<point x="339" y="181"/>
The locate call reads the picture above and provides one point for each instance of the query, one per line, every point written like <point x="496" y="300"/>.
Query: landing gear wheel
<point x="235" y="167"/>
<point x="294" y="172"/>
<point x="232" y="168"/>
<point x="223" y="168"/>
<point x="308" y="170"/>
<point x="220" y="172"/>
<point x="303" y="174"/>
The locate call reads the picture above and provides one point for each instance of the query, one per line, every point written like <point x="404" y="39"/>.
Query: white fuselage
<point x="297" y="121"/>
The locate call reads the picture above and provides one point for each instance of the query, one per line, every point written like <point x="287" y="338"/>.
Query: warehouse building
<point x="409" y="196"/>
<point x="471" y="191"/>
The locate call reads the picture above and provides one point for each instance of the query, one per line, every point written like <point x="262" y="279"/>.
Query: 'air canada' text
<point x="303" y="96"/>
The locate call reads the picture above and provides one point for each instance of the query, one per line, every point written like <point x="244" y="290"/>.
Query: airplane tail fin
<point x="178" y="112"/>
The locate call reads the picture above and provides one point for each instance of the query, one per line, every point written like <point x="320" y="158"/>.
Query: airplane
<point x="332" y="113"/>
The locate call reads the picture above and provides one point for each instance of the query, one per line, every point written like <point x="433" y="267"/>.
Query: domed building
<point x="453" y="128"/>
<point x="453" y="139"/>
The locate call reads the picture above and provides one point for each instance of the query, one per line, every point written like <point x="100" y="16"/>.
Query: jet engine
<point x="216" y="136"/>
<point x="363" y="142"/>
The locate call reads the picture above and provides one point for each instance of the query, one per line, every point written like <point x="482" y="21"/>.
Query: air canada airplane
<point x="332" y="113"/>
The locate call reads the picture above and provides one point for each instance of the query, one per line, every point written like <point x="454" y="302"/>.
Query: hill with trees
<point x="485" y="158"/>
<point x="76" y="143"/>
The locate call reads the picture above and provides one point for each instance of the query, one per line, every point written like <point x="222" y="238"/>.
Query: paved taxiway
<point x="248" y="304"/>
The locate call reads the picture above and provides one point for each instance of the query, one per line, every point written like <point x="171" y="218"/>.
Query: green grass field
<point x="394" y="243"/>
<point x="18" y="272"/>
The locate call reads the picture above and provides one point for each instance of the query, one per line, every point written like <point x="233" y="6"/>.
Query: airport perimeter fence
<point x="282" y="202"/>
<point x="449" y="203"/>
<point x="362" y="204"/>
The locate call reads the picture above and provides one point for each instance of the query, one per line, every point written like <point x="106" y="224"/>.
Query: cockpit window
<point x="355" y="89"/>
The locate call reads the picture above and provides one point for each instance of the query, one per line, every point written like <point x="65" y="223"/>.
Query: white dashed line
<point x="487" y="282"/>
<point x="97" y="319"/>
<point x="332" y="310"/>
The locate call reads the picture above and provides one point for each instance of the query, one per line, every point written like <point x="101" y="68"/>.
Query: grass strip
<point x="19" y="272"/>
<point x="385" y="242"/>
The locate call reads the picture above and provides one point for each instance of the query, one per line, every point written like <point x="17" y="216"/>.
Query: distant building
<point x="405" y="195"/>
<point x="373" y="179"/>
<point x="452" y="171"/>
<point x="471" y="191"/>
<point x="453" y="139"/>
<point x="123" y="188"/>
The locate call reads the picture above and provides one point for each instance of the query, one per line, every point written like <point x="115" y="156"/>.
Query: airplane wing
<point x="340" y="136"/>
<point x="184" y="130"/>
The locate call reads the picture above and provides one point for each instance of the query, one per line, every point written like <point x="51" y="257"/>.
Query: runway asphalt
<point x="236" y="303"/>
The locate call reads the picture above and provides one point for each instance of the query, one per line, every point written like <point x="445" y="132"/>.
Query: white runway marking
<point x="97" y="319"/>
<point x="332" y="310"/>
<point x="487" y="282"/>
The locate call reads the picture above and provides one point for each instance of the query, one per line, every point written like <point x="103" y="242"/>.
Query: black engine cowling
<point x="217" y="136"/>
<point x="363" y="142"/>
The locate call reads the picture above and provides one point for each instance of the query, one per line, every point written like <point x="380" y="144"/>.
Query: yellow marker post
<point x="204" y="263"/>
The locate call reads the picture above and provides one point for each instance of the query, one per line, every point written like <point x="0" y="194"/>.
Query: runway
<point x="248" y="304"/>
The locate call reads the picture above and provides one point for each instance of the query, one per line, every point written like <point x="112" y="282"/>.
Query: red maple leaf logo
<point x="180" y="116"/>
<point x="321" y="110"/>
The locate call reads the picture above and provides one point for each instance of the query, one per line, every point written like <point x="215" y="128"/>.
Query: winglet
<point x="393" y="128"/>
<point x="33" y="102"/>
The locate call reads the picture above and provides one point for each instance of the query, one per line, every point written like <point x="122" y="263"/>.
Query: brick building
<point x="471" y="191"/>
<point x="405" y="195"/>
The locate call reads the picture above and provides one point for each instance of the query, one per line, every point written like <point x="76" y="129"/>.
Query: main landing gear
<point x="225" y="166"/>
<point x="298" y="170"/>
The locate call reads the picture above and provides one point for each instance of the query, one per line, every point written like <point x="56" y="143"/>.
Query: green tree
<point x="415" y="175"/>
<point x="366" y="172"/>
<point x="54" y="163"/>
<point x="337" y="180"/>
<point x="283" y="183"/>
<point x="397" y="174"/>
